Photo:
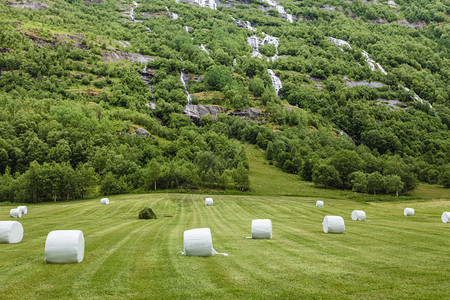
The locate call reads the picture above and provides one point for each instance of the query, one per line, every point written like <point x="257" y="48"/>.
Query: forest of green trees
<point x="74" y="123"/>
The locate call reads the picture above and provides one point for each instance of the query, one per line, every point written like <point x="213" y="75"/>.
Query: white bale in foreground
<point x="333" y="224"/>
<point x="64" y="247"/>
<point x="262" y="229"/>
<point x="11" y="232"/>
<point x="104" y="201"/>
<point x="198" y="242"/>
<point x="358" y="215"/>
<point x="408" y="211"/>
<point x="209" y="201"/>
<point x="445" y="217"/>
<point x="15" y="213"/>
<point x="23" y="209"/>
<point x="319" y="203"/>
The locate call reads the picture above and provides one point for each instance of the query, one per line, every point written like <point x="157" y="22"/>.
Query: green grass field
<point x="389" y="256"/>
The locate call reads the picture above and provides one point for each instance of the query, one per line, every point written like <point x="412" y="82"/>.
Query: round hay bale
<point x="23" y="209"/>
<point x="262" y="229"/>
<point x="104" y="201"/>
<point x="11" y="232"/>
<point x="358" y="215"/>
<point x="319" y="203"/>
<point x="198" y="242"/>
<point x="333" y="224"/>
<point x="64" y="247"/>
<point x="209" y="201"/>
<point x="408" y="211"/>
<point x="445" y="217"/>
<point x="15" y="213"/>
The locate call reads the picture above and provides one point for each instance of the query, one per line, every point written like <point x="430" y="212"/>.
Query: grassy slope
<point x="391" y="256"/>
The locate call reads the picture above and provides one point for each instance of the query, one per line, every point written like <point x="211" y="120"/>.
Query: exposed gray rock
<point x="120" y="55"/>
<point x="251" y="113"/>
<point x="28" y="4"/>
<point x="196" y="112"/>
<point x="88" y="2"/>
<point x="370" y="84"/>
<point x="416" y="25"/>
<point x="392" y="104"/>
<point x="142" y="132"/>
<point x="378" y="21"/>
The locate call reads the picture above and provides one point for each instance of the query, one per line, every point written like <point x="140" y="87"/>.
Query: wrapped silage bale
<point x="198" y="242"/>
<point x="358" y="215"/>
<point x="64" y="247"/>
<point x="261" y="229"/>
<point x="11" y="232"/>
<point x="408" y="211"/>
<point x="445" y="217"/>
<point x="104" y="201"/>
<point x="15" y="213"/>
<point x="23" y="209"/>
<point x="319" y="203"/>
<point x="333" y="224"/>
<point x="209" y="201"/>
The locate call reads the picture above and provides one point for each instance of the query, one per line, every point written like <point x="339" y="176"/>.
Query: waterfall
<point x="207" y="3"/>
<point x="276" y="82"/>
<point x="189" y="97"/>
<point x="373" y="65"/>
<point x="204" y="49"/>
<point x="281" y="10"/>
<point x="254" y="42"/>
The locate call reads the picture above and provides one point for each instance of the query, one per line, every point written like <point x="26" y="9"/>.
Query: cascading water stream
<point x="207" y="3"/>
<point x="189" y="97"/>
<point x="276" y="82"/>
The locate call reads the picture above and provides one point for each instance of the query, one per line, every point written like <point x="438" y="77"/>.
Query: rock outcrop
<point x="196" y="112"/>
<point x="28" y="4"/>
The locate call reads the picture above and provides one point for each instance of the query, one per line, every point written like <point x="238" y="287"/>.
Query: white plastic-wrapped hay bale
<point x="209" y="201"/>
<point x="358" y="215"/>
<point x="198" y="242"/>
<point x="15" y="213"/>
<point x="64" y="247"/>
<point x="408" y="211"/>
<point x="319" y="203"/>
<point x="333" y="224"/>
<point x="11" y="232"/>
<point x="23" y="209"/>
<point x="445" y="217"/>
<point x="104" y="201"/>
<point x="261" y="229"/>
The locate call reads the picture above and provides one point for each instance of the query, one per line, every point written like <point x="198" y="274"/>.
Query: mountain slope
<point x="99" y="92"/>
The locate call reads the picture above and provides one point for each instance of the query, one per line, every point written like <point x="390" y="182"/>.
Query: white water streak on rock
<point x="276" y="82"/>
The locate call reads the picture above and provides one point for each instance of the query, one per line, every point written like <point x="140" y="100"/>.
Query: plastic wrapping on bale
<point x="11" y="232"/>
<point x="23" y="209"/>
<point x="319" y="203"/>
<point x="408" y="212"/>
<point x="15" y="213"/>
<point x="261" y="229"/>
<point x="104" y="201"/>
<point x="64" y="247"/>
<point x="209" y="201"/>
<point x="358" y="215"/>
<point x="333" y="224"/>
<point x="198" y="242"/>
<point x="445" y="217"/>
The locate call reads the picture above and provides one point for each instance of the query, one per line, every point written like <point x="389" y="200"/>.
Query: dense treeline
<point x="74" y="124"/>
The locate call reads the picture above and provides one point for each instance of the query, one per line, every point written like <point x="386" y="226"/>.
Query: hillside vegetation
<point x="94" y="97"/>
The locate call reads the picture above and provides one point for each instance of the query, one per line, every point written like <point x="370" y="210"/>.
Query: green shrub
<point x="147" y="213"/>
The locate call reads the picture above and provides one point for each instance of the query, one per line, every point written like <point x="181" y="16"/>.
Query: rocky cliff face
<point x="196" y="112"/>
